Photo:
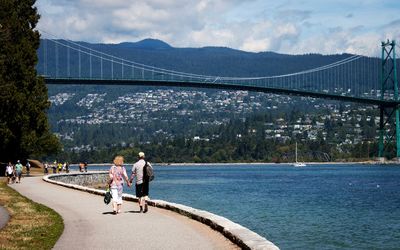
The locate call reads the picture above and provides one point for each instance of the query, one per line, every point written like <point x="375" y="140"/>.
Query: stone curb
<point x="241" y="236"/>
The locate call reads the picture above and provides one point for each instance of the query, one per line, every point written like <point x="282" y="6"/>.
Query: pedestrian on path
<point x="54" y="167"/>
<point x="10" y="173"/>
<point x="46" y="168"/>
<point x="28" y="168"/>
<point x="18" y="171"/>
<point x="67" y="167"/>
<point x="142" y="183"/>
<point x="81" y="165"/>
<point x="59" y="167"/>
<point x="117" y="175"/>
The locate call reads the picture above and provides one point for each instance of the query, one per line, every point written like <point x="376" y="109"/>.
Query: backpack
<point x="148" y="172"/>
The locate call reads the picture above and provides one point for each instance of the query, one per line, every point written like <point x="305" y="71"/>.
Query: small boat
<point x="298" y="164"/>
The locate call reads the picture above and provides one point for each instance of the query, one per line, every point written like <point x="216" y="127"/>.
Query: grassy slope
<point x="32" y="225"/>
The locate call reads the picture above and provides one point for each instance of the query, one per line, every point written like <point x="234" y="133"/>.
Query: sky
<point x="282" y="26"/>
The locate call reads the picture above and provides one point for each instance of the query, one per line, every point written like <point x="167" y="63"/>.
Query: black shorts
<point x="10" y="175"/>
<point x="142" y="189"/>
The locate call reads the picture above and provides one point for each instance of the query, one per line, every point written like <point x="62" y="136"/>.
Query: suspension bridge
<point x="355" y="78"/>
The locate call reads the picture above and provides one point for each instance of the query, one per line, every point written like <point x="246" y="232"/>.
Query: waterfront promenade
<point x="89" y="223"/>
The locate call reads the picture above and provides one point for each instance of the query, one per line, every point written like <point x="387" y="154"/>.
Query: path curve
<point x="89" y="223"/>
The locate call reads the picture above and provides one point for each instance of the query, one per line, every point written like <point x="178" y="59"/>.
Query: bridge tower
<point x="389" y="114"/>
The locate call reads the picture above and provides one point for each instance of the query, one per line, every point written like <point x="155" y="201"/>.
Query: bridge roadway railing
<point x="241" y="236"/>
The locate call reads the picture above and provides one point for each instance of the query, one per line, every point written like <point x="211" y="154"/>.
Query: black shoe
<point x="141" y="209"/>
<point x="145" y="208"/>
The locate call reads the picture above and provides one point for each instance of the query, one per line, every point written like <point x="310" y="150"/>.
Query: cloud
<point x="337" y="40"/>
<point x="135" y="19"/>
<point x="251" y="25"/>
<point x="294" y="15"/>
<point x="269" y="36"/>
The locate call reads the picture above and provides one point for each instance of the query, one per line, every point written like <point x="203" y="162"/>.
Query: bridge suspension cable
<point x="352" y="75"/>
<point x="98" y="54"/>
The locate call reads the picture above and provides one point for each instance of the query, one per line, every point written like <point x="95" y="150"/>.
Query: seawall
<point x="241" y="236"/>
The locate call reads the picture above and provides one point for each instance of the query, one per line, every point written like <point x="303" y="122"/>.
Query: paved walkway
<point x="4" y="217"/>
<point x="89" y="223"/>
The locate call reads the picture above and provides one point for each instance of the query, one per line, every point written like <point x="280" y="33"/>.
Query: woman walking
<point x="117" y="175"/>
<point x="10" y="172"/>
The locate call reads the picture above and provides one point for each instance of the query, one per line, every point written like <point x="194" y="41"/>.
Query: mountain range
<point x="217" y="61"/>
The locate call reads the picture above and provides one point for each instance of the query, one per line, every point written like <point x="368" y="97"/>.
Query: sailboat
<point x="298" y="164"/>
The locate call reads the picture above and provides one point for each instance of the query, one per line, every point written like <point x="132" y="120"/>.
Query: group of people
<point x="57" y="167"/>
<point x="118" y="174"/>
<point x="14" y="172"/>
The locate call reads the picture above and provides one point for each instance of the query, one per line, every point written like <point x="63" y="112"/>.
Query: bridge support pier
<point x="390" y="89"/>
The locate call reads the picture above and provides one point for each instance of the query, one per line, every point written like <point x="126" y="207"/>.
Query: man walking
<point x="28" y="168"/>
<point x="18" y="171"/>
<point x="142" y="183"/>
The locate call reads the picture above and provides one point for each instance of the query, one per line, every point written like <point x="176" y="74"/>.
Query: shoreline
<point x="366" y="164"/>
<point x="188" y="164"/>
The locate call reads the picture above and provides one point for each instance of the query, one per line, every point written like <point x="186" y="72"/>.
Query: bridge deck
<point x="227" y="86"/>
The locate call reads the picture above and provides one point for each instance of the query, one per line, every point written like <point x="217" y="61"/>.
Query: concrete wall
<point x="238" y="234"/>
<point x="81" y="179"/>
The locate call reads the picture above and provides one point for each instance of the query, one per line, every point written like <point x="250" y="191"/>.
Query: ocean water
<point x="315" y="207"/>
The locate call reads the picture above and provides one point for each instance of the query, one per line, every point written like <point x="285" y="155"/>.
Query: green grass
<point x="32" y="225"/>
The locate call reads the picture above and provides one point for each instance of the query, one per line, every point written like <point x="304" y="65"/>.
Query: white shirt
<point x="137" y="170"/>
<point x="9" y="169"/>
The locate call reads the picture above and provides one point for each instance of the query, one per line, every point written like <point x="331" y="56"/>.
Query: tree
<point x="24" y="129"/>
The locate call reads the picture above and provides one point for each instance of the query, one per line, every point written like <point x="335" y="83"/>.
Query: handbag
<point x="107" y="196"/>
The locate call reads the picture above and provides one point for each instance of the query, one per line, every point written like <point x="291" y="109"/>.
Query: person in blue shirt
<point x="18" y="171"/>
